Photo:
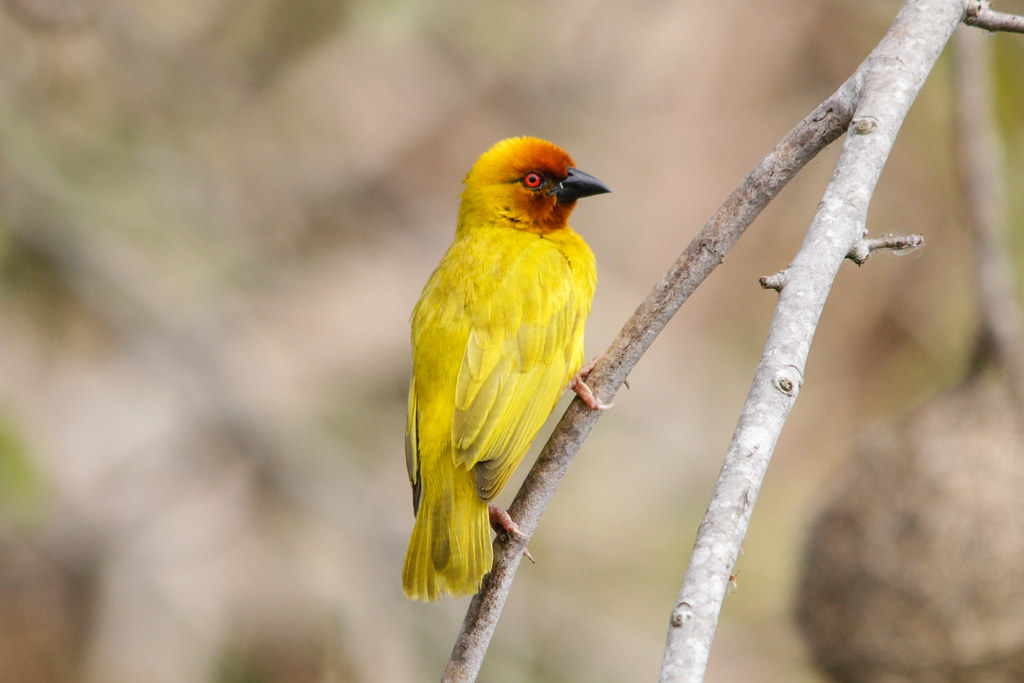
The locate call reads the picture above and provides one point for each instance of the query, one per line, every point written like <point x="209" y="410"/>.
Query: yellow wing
<point x="524" y="345"/>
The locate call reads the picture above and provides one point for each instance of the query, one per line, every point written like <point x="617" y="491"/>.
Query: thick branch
<point x="892" y="75"/>
<point x="705" y="252"/>
<point x="981" y="15"/>
<point x="982" y="180"/>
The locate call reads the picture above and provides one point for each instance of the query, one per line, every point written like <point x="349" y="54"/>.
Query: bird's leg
<point x="502" y="522"/>
<point x="579" y="385"/>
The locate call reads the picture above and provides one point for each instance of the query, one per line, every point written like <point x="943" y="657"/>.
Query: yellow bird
<point x="497" y="336"/>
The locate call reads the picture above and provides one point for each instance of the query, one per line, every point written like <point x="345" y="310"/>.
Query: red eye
<point x="533" y="180"/>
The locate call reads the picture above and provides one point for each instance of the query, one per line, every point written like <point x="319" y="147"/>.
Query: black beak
<point x="576" y="185"/>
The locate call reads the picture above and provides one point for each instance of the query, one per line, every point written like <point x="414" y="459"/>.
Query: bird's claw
<point x="578" y="384"/>
<point x="587" y="396"/>
<point x="502" y="522"/>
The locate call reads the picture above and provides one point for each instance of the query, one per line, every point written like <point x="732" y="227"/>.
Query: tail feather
<point x="450" y="549"/>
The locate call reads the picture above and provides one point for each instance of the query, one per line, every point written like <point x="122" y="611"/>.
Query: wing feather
<point x="412" y="447"/>
<point x="516" y="364"/>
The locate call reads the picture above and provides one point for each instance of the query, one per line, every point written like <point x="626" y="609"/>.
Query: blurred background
<point x="215" y="218"/>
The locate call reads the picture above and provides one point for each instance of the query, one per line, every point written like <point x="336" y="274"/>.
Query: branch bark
<point x="890" y="79"/>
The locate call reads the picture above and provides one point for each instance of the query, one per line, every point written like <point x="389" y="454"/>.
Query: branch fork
<point x="858" y="254"/>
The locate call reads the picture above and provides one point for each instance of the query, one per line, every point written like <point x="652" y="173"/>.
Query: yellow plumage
<point x="497" y="335"/>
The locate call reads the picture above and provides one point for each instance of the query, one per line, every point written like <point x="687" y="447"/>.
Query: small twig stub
<point x="860" y="252"/>
<point x="980" y="14"/>
<point x="776" y="281"/>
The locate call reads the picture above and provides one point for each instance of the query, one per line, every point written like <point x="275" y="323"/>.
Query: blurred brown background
<point x="215" y="218"/>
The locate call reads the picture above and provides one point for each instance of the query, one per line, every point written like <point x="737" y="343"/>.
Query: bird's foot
<point x="502" y="522"/>
<point x="578" y="384"/>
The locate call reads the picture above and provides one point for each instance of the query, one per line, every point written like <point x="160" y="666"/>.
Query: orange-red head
<point x="527" y="183"/>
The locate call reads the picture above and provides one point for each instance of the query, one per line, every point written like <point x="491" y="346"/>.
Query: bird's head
<point x="527" y="183"/>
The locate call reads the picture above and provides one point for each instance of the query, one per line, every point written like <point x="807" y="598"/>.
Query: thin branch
<point x="864" y="248"/>
<point x="980" y="15"/>
<point x="705" y="252"/>
<point x="983" y="182"/>
<point x="892" y="76"/>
